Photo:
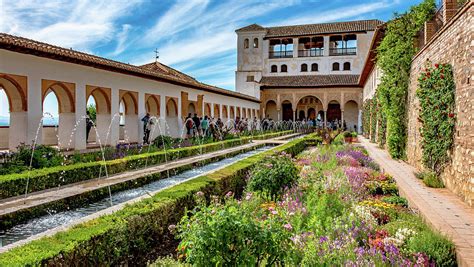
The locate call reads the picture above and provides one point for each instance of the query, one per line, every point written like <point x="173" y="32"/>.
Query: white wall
<point x="37" y="68"/>
<point x="373" y="81"/>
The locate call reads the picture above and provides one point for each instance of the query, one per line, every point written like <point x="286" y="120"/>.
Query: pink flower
<point x="288" y="227"/>
<point x="199" y="194"/>
<point x="248" y="196"/>
<point x="229" y="194"/>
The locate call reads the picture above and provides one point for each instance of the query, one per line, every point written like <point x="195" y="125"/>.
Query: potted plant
<point x="354" y="137"/>
<point x="348" y="137"/>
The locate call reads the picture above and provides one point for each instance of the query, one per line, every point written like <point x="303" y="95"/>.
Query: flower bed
<point x="40" y="179"/>
<point x="129" y="235"/>
<point x="341" y="212"/>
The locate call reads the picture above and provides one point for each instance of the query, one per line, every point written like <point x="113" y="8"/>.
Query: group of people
<point x="207" y="126"/>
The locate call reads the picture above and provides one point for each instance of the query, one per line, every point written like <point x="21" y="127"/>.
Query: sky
<point x="194" y="36"/>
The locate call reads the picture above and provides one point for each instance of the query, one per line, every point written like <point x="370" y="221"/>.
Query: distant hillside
<point x="5" y="121"/>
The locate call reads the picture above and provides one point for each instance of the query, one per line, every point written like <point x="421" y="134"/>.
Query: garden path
<point x="439" y="207"/>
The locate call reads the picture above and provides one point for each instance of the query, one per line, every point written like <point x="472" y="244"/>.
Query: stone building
<point x="306" y="71"/>
<point x="30" y="70"/>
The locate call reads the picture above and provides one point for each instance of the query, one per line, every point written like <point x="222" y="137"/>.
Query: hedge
<point x="11" y="219"/>
<point x="130" y="234"/>
<point x="15" y="184"/>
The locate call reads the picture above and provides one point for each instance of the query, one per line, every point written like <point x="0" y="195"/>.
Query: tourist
<point x="146" y="129"/>
<point x="197" y="125"/>
<point x="188" y="122"/>
<point x="89" y="124"/>
<point x="205" y="126"/>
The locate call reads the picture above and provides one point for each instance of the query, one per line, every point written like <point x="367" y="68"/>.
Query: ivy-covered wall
<point x="451" y="45"/>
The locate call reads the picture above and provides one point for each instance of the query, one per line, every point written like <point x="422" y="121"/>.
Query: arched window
<point x="284" y="68"/>
<point x="314" y="67"/>
<point x="246" y="43"/>
<point x="255" y="42"/>
<point x="335" y="66"/>
<point x="347" y="66"/>
<point x="304" y="67"/>
<point x="274" y="68"/>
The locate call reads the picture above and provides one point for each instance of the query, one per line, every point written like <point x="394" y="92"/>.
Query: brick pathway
<point x="439" y="207"/>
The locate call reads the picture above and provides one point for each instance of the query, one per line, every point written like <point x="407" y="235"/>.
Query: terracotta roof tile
<point x="159" y="72"/>
<point x="323" y="28"/>
<point x="251" y="28"/>
<point x="310" y="80"/>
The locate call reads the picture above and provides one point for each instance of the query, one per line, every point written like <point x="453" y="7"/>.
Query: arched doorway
<point x="98" y="106"/>
<point x="225" y="115"/>
<point x="207" y="110"/>
<point x="191" y="109"/>
<point x="152" y="106"/>
<point x="216" y="111"/>
<point x="334" y="111"/>
<point x="59" y="123"/>
<point x="129" y="119"/>
<point x="244" y="113"/>
<point x="287" y="110"/>
<point x="351" y="115"/>
<point x="271" y="110"/>
<point x="309" y="105"/>
<point x="172" y="117"/>
<point x="232" y="113"/>
<point x="13" y="107"/>
<point x="301" y="115"/>
<point x="238" y="114"/>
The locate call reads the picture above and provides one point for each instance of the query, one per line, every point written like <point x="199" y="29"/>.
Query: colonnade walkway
<point x="440" y="208"/>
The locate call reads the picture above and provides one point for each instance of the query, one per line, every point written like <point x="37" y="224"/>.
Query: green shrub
<point x="40" y="179"/>
<point x="354" y="134"/>
<point x="43" y="156"/>
<point x="396" y="200"/>
<point x="432" y="180"/>
<point x="272" y="175"/>
<point x="167" y="262"/>
<point x="437" y="247"/>
<point x="338" y="140"/>
<point x="106" y="240"/>
<point x="234" y="233"/>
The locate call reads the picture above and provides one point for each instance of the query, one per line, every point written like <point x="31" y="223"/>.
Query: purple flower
<point x="229" y="194"/>
<point x="288" y="227"/>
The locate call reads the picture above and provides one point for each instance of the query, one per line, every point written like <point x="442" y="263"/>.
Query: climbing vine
<point x="437" y="103"/>
<point x="366" y="118"/>
<point x="373" y="119"/>
<point x="394" y="56"/>
<point x="381" y="122"/>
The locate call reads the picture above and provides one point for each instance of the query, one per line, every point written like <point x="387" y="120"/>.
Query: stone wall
<point x="453" y="44"/>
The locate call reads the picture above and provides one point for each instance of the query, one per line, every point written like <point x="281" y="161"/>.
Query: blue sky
<point x="193" y="36"/>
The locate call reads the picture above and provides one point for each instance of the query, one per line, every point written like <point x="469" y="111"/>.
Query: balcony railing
<point x="311" y="53"/>
<point x="343" y="51"/>
<point x="281" y="54"/>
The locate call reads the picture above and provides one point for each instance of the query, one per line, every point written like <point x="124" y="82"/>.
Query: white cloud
<point x="78" y="24"/>
<point x="121" y="39"/>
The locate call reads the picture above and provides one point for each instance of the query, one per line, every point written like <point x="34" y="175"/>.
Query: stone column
<point x="113" y="136"/>
<point x="294" y="115"/>
<point x="67" y="130"/>
<point x="162" y="120"/>
<point x="17" y="132"/>
<point x="342" y="116"/>
<point x="359" y="122"/>
<point x="180" y="116"/>
<point x="295" y="47"/>
<point x="326" y="46"/>
<point x="35" y="110"/>
<point x="141" y="114"/>
<point x="80" y="117"/>
<point x="325" y="118"/>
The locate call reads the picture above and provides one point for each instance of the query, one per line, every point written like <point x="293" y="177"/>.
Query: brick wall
<point x="453" y="44"/>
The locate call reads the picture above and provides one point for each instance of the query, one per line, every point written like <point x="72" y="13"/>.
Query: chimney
<point x="429" y="30"/>
<point x="449" y="9"/>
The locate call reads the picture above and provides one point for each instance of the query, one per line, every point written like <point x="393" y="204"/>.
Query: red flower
<point x="451" y="115"/>
<point x="436" y="65"/>
<point x="442" y="76"/>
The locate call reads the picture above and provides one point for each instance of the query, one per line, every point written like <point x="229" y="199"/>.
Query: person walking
<point x="188" y="123"/>
<point x="89" y="124"/>
<point x="146" y="128"/>
<point x="205" y="126"/>
<point x="197" y="125"/>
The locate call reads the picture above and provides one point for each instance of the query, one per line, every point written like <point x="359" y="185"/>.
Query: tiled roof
<point x="309" y="80"/>
<point x="251" y="28"/>
<point x="321" y="28"/>
<point x="159" y="72"/>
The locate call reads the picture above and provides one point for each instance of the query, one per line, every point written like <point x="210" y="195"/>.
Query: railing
<point x="281" y="54"/>
<point x="311" y="53"/>
<point x="343" y="51"/>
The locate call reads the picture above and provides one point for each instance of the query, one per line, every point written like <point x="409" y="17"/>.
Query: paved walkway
<point x="439" y="207"/>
